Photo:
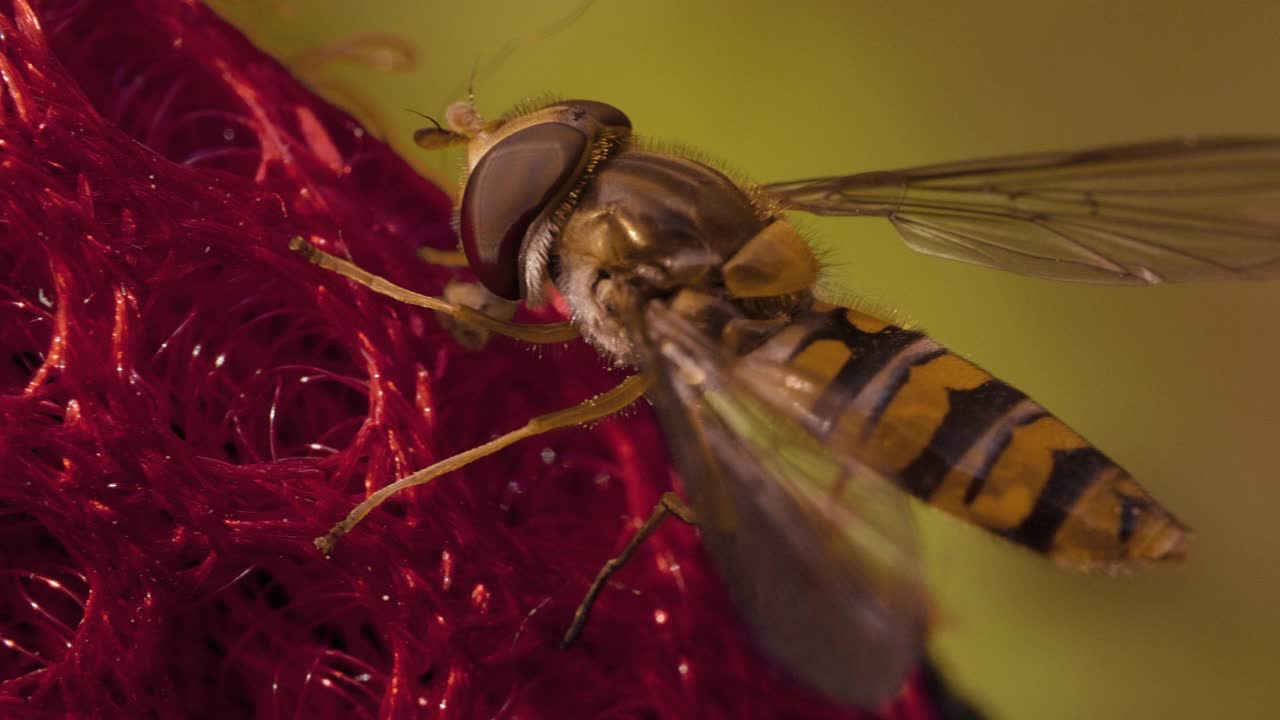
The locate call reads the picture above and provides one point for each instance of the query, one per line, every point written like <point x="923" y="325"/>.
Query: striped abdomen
<point x="951" y="434"/>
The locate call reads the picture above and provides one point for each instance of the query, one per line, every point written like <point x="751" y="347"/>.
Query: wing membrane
<point x="1157" y="212"/>
<point x="818" y="551"/>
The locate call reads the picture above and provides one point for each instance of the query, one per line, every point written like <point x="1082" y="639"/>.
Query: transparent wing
<point x="1130" y="214"/>
<point x="817" y="550"/>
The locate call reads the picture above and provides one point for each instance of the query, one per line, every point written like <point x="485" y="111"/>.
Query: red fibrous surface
<point x="186" y="404"/>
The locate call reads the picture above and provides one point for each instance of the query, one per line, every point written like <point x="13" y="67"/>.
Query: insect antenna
<point x="483" y="70"/>
<point x="437" y="137"/>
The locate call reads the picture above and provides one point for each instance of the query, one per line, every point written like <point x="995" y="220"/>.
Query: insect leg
<point x="670" y="504"/>
<point x="476" y="297"/>
<point x="531" y="333"/>
<point x="443" y="258"/>
<point x="593" y="409"/>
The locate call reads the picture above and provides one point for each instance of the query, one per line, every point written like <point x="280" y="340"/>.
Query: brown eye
<point x="509" y="188"/>
<point x="604" y="114"/>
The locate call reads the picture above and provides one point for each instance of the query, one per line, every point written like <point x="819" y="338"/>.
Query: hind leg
<point x="670" y="504"/>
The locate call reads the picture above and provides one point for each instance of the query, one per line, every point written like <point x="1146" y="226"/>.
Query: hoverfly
<point x="790" y="419"/>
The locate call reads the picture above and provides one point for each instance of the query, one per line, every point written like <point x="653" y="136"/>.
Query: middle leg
<point x="600" y="406"/>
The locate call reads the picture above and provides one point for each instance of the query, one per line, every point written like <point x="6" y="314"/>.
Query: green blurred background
<point x="1179" y="384"/>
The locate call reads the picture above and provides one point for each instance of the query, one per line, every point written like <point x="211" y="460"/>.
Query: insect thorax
<point x="655" y="225"/>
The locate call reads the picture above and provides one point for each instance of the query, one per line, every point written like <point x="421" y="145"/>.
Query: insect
<point x="796" y="424"/>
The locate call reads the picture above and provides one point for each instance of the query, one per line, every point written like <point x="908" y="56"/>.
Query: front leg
<point x="477" y="297"/>
<point x="531" y="333"/>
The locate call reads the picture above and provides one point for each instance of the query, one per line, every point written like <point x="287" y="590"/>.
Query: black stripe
<point x="970" y="414"/>
<point x="829" y="325"/>
<point x="979" y="479"/>
<point x="899" y="380"/>
<point x="869" y="353"/>
<point x="863" y="365"/>
<point x="1131" y="508"/>
<point x="1073" y="472"/>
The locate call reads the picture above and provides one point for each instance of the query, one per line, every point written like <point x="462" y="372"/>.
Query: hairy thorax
<point x="649" y="226"/>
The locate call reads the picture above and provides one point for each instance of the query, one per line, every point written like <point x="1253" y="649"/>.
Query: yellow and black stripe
<point x="951" y="434"/>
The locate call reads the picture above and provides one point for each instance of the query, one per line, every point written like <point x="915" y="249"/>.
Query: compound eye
<point x="511" y="185"/>
<point x="603" y="113"/>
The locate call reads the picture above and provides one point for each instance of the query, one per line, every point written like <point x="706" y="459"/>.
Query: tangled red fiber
<point x="186" y="404"/>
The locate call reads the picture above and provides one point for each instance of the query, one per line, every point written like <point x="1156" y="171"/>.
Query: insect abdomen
<point x="951" y="434"/>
